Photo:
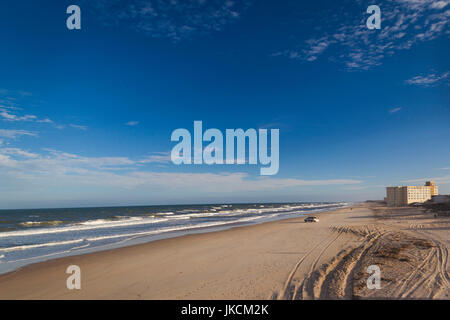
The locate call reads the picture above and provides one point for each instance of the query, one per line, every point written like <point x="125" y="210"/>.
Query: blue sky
<point x="86" y="115"/>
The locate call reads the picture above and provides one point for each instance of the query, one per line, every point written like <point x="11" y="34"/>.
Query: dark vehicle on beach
<point x="416" y="204"/>
<point x="312" y="219"/>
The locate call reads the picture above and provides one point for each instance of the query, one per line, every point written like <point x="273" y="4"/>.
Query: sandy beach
<point x="286" y="259"/>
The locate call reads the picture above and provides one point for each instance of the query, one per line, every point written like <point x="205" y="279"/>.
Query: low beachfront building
<point x="404" y="195"/>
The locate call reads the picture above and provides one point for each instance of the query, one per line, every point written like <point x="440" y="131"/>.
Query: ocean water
<point x="28" y="236"/>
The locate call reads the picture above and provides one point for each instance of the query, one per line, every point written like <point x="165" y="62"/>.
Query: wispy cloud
<point x="157" y="157"/>
<point x="132" y="123"/>
<point x="46" y="120"/>
<point x="10" y="107"/>
<point x="12" y="134"/>
<point x="4" y="91"/>
<point x="429" y="80"/>
<point x="11" y="113"/>
<point x="394" y="110"/>
<point x="404" y="23"/>
<point x="438" y="180"/>
<point x="18" y="152"/>
<point x="7" y="115"/>
<point x="439" y="4"/>
<point x="172" y="19"/>
<point x="77" y="126"/>
<point x="59" y="169"/>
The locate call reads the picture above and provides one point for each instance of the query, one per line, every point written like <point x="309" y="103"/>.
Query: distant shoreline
<point x="177" y="204"/>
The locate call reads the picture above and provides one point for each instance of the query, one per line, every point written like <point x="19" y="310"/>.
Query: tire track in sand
<point x="334" y="279"/>
<point x="299" y="292"/>
<point x="433" y="279"/>
<point x="288" y="290"/>
<point x="337" y="282"/>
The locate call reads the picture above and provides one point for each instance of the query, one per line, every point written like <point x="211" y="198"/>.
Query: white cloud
<point x="157" y="157"/>
<point x="175" y="20"/>
<point x="404" y="23"/>
<point x="66" y="170"/>
<point x="9" y="110"/>
<point x="77" y="126"/>
<point x="12" y="117"/>
<point x="73" y="160"/>
<point x="439" y="4"/>
<point x="438" y="180"/>
<point x="46" y="120"/>
<point x="429" y="80"/>
<point x="394" y="110"/>
<point x="12" y="134"/>
<point x="22" y="93"/>
<point x="18" y="152"/>
<point x="132" y="123"/>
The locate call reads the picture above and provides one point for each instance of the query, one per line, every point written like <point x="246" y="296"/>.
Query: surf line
<point x="235" y="139"/>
